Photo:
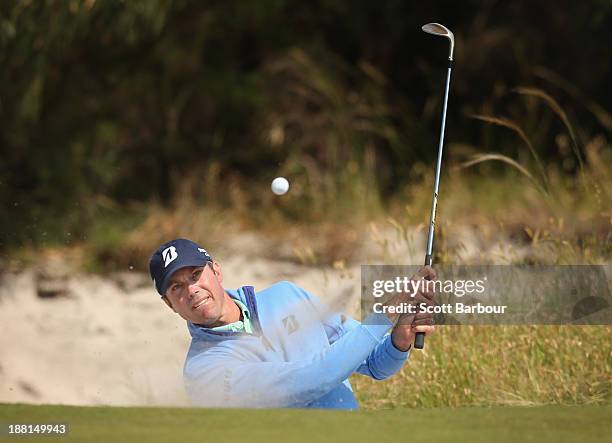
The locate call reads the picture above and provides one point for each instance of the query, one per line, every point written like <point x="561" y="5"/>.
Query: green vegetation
<point x="500" y="424"/>
<point x="500" y="365"/>
<point x="116" y="111"/>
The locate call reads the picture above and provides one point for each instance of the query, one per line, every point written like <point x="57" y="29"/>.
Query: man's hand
<point x="402" y="335"/>
<point x="408" y="325"/>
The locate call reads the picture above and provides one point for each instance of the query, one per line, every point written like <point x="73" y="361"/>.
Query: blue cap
<point x="172" y="256"/>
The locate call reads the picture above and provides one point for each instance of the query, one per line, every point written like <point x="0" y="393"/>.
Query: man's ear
<point x="165" y="299"/>
<point x="217" y="270"/>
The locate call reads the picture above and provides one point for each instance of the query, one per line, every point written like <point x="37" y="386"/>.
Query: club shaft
<point x="434" y="201"/>
<point x="419" y="340"/>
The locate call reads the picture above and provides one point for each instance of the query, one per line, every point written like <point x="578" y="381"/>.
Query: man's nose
<point x="193" y="289"/>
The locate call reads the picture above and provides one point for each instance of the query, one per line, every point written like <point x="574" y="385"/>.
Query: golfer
<point x="279" y="347"/>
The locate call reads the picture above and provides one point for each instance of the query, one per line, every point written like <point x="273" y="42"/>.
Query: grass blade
<point x="552" y="103"/>
<point x="480" y="158"/>
<point x="603" y="116"/>
<point x="507" y="123"/>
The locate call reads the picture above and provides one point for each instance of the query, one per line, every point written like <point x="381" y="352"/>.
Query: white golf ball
<point x="280" y="185"/>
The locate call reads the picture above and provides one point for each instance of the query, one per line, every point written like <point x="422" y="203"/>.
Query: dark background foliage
<point x="106" y="103"/>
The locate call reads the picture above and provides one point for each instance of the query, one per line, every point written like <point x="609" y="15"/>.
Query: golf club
<point x="442" y="31"/>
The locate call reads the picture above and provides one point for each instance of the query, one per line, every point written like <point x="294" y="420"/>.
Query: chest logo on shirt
<point x="291" y="324"/>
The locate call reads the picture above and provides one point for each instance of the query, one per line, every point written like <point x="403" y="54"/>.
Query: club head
<point x="442" y="31"/>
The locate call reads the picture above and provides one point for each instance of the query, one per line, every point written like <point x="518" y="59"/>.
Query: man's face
<point x="196" y="294"/>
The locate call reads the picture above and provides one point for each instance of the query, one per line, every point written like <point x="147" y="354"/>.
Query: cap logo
<point x="203" y="251"/>
<point x="169" y="255"/>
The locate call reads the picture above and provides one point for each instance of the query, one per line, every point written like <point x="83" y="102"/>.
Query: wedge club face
<point x="441" y="31"/>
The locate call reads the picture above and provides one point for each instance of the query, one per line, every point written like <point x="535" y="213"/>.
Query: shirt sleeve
<point x="221" y="379"/>
<point x="384" y="360"/>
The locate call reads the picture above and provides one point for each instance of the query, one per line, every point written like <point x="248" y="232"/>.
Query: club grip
<point x="419" y="340"/>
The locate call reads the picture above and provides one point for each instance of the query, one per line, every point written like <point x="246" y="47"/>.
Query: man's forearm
<point x="384" y="361"/>
<point x="402" y="339"/>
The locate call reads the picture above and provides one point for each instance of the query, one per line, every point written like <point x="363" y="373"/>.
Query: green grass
<point x="499" y="424"/>
<point x="499" y="365"/>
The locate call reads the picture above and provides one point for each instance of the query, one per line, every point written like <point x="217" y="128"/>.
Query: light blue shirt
<point x="299" y="355"/>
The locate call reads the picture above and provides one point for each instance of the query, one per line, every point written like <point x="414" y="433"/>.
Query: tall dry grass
<point x="540" y="218"/>
<point x="500" y="365"/>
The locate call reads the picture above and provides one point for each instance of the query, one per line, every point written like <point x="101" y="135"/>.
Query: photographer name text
<point x="447" y="308"/>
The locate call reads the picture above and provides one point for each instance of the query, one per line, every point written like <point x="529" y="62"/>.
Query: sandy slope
<point x="103" y="344"/>
<point x="112" y="341"/>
